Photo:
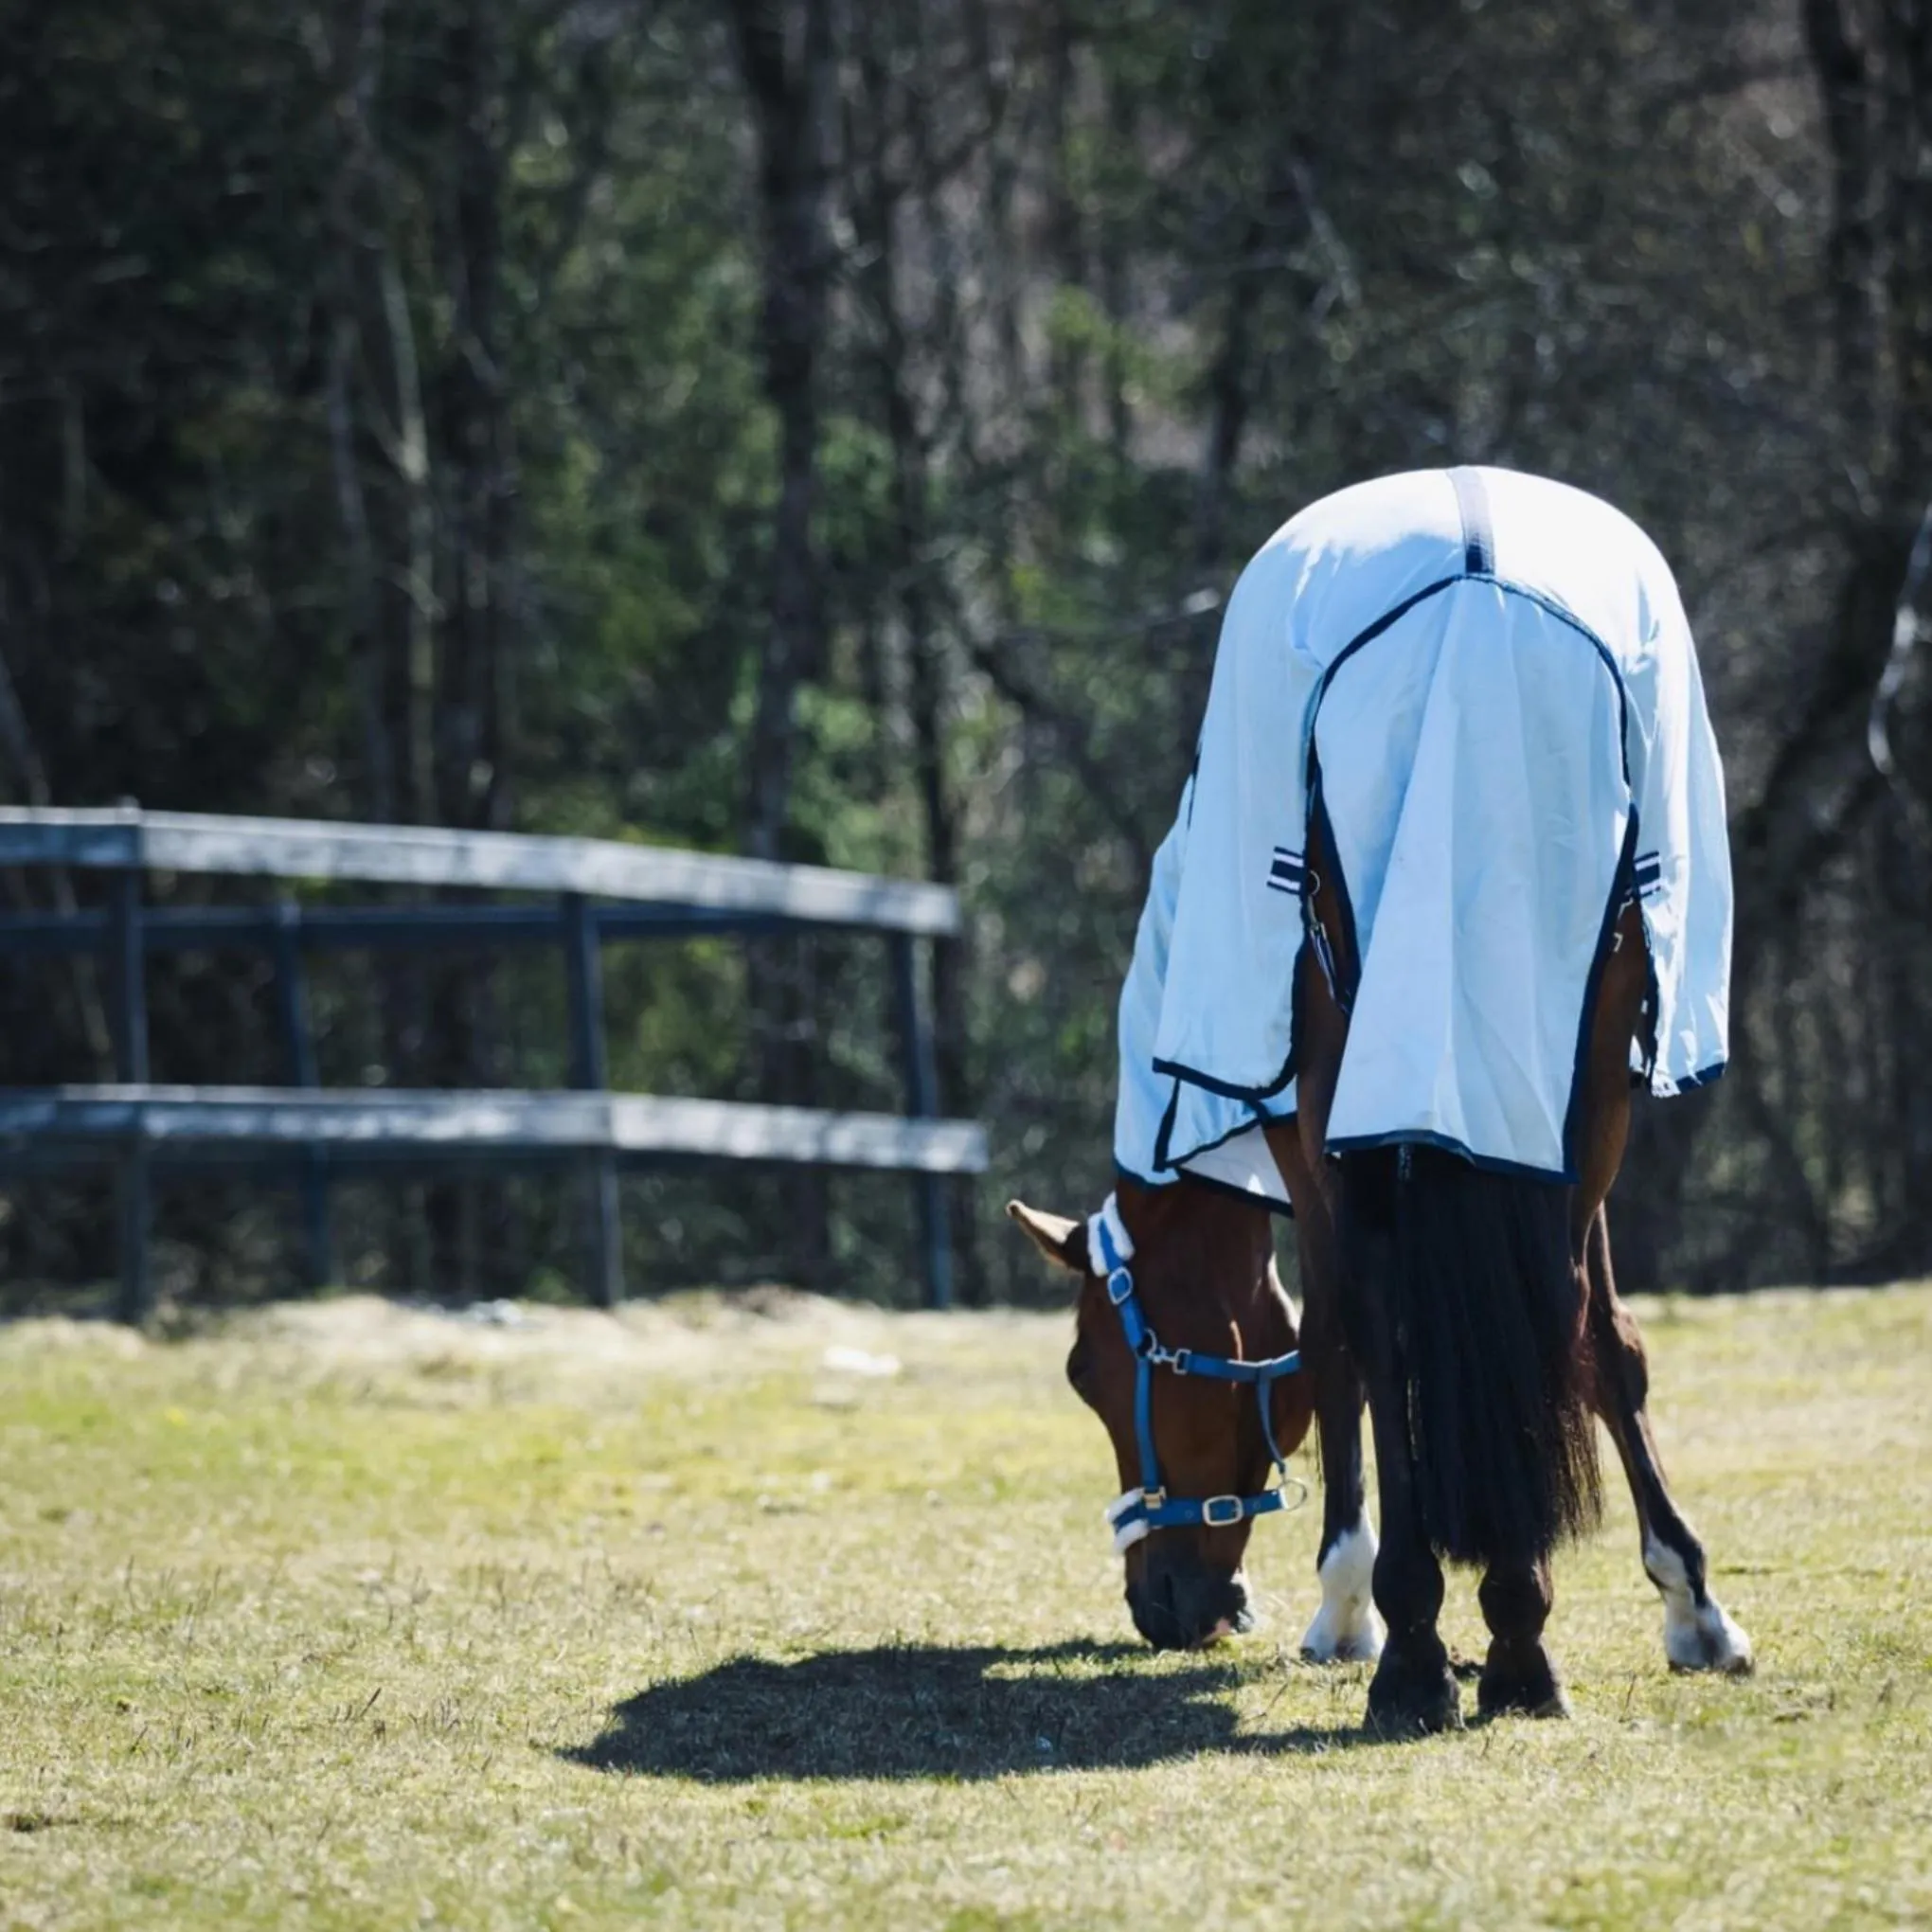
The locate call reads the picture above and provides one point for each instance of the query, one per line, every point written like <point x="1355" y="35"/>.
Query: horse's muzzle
<point x="1177" y="1602"/>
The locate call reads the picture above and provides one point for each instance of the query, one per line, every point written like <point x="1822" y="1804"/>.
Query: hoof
<point x="1522" y="1688"/>
<point x="1348" y="1633"/>
<point x="1513" y="1702"/>
<point x="1358" y="1647"/>
<point x="1413" y="1703"/>
<point x="1698" y="1631"/>
<point x="1707" y="1640"/>
<point x="1346" y="1628"/>
<point x="1701" y="1637"/>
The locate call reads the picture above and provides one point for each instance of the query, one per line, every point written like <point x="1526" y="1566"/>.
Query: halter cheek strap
<point x="1142" y="1510"/>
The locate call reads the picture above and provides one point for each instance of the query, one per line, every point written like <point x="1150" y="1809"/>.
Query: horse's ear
<point x="1062" y="1242"/>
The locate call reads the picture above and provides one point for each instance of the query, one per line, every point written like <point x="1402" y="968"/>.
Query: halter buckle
<point x="1178" y="1360"/>
<point x="1221" y="1513"/>
<point x="1119" y="1286"/>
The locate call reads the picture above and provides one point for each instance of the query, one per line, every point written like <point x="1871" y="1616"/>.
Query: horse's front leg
<point x="1413" y="1688"/>
<point x="1699" y="1634"/>
<point x="1346" y="1628"/>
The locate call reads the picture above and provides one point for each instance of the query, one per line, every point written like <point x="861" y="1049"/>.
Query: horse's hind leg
<point x="1413" y="1690"/>
<point x="1517" y="1674"/>
<point x="1699" y="1634"/>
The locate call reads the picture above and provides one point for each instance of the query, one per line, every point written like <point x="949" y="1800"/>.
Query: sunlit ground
<point x="345" y="1616"/>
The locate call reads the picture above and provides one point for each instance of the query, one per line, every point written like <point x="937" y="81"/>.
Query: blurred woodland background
<point x="828" y="429"/>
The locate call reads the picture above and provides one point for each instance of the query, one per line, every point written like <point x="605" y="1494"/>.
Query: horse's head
<point x="1204" y="1280"/>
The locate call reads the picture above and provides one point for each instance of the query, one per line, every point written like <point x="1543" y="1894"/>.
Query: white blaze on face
<point x="1346" y="1628"/>
<point x="1697" y="1637"/>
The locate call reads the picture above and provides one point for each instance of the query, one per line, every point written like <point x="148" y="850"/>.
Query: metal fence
<point x="582" y="894"/>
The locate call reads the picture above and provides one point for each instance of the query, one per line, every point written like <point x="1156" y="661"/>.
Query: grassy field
<point x="355" y="1616"/>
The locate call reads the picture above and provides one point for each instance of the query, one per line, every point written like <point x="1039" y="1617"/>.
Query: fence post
<point x="923" y="1104"/>
<point x="127" y="974"/>
<point x="298" y="1044"/>
<point x="605" y="1231"/>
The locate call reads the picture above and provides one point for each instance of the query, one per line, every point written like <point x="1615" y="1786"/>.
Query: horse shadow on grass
<point x="934" y="1711"/>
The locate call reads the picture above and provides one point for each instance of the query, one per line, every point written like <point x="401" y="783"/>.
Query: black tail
<point x="1466" y="1281"/>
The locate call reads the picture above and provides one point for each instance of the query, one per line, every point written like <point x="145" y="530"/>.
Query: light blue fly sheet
<point x="1482" y="686"/>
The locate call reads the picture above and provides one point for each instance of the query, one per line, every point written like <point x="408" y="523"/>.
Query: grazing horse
<point x="1509" y="893"/>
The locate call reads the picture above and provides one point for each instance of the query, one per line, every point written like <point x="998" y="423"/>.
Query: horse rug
<point x="1479" y="689"/>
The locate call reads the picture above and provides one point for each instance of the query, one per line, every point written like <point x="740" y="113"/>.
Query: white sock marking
<point x="1697" y="1637"/>
<point x="1346" y="1628"/>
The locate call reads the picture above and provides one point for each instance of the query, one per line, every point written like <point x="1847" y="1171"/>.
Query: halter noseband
<point x="1142" y="1510"/>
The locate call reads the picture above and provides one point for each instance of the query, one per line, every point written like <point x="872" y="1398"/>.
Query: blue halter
<point x="1149" y="1507"/>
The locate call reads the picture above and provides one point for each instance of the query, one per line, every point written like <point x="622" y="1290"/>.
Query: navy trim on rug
<point x="1414" y="1137"/>
<point x="1703" y="1077"/>
<point x="1165" y="1131"/>
<point x="1172" y="1162"/>
<point x="1602" y="649"/>
<point x="1284" y="1208"/>
<point x="1254" y="1096"/>
<point x="1370" y="632"/>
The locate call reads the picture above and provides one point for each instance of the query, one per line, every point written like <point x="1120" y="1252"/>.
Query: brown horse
<point x="1484" y="775"/>
<point x="1204" y="1267"/>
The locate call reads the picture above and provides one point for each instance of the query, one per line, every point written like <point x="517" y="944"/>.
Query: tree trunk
<point x="789" y="95"/>
<point x="787" y="62"/>
<point x="876" y="204"/>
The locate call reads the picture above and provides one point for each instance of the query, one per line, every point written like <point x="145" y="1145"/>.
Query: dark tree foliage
<point x="831" y="431"/>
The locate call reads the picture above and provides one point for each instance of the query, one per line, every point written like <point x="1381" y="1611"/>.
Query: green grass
<point x="353" y="1618"/>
